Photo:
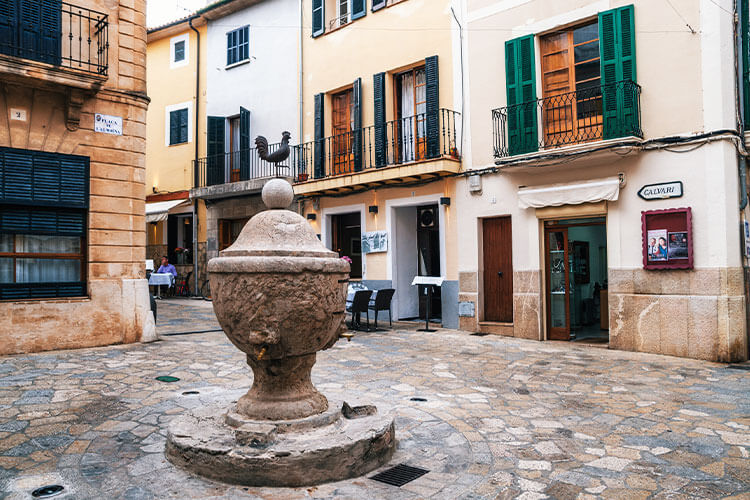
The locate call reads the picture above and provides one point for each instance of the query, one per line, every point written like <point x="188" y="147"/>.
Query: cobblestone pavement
<point x="503" y="418"/>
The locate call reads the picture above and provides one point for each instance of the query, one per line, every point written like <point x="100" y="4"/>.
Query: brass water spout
<point x="262" y="353"/>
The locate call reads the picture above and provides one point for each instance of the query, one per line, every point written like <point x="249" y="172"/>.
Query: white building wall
<point x="267" y="85"/>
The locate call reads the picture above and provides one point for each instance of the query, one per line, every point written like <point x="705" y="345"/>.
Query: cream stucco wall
<point x="169" y="168"/>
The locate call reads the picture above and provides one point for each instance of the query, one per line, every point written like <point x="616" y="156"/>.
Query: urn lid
<point x="278" y="232"/>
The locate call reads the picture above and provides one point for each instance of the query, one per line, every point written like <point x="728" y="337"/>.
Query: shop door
<point x="428" y="258"/>
<point x="346" y="238"/>
<point x="497" y="249"/>
<point x="558" y="283"/>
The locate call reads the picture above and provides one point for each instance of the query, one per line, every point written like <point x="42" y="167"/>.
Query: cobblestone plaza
<point x="489" y="417"/>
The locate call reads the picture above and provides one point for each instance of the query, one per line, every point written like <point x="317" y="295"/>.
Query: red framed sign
<point x="667" y="238"/>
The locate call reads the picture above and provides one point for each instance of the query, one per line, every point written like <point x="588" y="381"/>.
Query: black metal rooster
<point x="281" y="154"/>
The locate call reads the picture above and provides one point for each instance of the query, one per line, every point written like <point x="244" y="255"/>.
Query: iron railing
<point x="339" y="21"/>
<point x="592" y="114"/>
<point x="407" y="140"/>
<point x="243" y="165"/>
<point x="59" y="33"/>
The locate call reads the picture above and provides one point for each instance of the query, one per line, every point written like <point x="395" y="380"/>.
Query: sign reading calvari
<point x="661" y="191"/>
<point x="108" y="124"/>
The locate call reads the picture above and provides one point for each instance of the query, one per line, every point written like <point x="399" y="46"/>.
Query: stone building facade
<point x="72" y="142"/>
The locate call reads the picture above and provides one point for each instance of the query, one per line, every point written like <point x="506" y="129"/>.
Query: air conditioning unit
<point x="427" y="218"/>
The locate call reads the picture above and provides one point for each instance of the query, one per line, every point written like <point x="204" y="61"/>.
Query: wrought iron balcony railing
<point x="57" y="33"/>
<point x="407" y="140"/>
<point x="592" y="114"/>
<point x="243" y="165"/>
<point x="398" y="142"/>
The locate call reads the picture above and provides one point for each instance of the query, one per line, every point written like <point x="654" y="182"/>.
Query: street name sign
<point x="661" y="191"/>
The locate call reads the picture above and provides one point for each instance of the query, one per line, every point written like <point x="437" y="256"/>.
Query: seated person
<point x="166" y="267"/>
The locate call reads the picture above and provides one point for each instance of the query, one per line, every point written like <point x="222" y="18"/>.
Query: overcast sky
<point x="160" y="12"/>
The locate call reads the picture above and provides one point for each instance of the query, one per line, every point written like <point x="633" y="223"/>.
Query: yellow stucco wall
<point x="391" y="40"/>
<point x="169" y="168"/>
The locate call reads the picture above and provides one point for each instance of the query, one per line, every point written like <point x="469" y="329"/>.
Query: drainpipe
<point x="195" y="128"/>
<point x="299" y="62"/>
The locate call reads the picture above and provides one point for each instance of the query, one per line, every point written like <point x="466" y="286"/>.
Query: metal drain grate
<point x="48" y="491"/>
<point x="399" y="475"/>
<point x="167" y="378"/>
<point x="480" y="334"/>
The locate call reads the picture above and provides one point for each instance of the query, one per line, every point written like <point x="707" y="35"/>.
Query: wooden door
<point x="343" y="157"/>
<point x="497" y="246"/>
<point x="558" y="283"/>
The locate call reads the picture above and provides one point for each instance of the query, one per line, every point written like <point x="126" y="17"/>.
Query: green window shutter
<point x="318" y="17"/>
<point x="620" y="106"/>
<point x="244" y="144"/>
<point x="8" y="28"/>
<point x="359" y="9"/>
<point x="174" y="128"/>
<point x="378" y="88"/>
<point x="357" y="125"/>
<point x="378" y="4"/>
<point x="215" y="150"/>
<point x="432" y="118"/>
<point x="183" y="119"/>
<point x="520" y="85"/>
<point x="320" y="151"/>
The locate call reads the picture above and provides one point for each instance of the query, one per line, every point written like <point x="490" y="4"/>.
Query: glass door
<point x="558" y="284"/>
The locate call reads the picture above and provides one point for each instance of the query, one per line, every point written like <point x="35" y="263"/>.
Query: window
<point x="229" y="230"/>
<point x="343" y="124"/>
<point x="411" y="109"/>
<point x="340" y="13"/>
<point x="571" y="85"/>
<point x="238" y="45"/>
<point x="178" y="126"/>
<point x="43" y="206"/>
<point x="179" y="51"/>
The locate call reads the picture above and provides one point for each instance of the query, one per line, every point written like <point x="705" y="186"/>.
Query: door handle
<point x="500" y="274"/>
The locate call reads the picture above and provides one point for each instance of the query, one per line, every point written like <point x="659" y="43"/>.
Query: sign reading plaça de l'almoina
<point x="661" y="191"/>
<point x="108" y="124"/>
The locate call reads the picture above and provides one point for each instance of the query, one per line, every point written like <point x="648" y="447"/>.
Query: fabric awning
<point x="555" y="195"/>
<point x="159" y="210"/>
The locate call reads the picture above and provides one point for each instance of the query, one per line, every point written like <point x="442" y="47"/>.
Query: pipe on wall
<point x="197" y="150"/>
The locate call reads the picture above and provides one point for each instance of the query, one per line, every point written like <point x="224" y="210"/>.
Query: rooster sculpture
<point x="281" y="154"/>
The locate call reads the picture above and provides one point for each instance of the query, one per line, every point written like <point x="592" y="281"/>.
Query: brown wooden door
<point x="343" y="155"/>
<point x="558" y="283"/>
<point x="497" y="248"/>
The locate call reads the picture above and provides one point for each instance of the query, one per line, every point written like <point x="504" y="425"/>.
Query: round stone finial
<point x="277" y="193"/>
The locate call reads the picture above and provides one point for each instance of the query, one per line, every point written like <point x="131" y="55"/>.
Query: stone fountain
<point x="279" y="296"/>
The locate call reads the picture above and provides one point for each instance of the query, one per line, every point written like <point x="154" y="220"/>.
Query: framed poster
<point x="667" y="238"/>
<point x="374" y="242"/>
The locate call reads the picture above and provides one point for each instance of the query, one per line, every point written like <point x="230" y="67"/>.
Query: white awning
<point x="555" y="195"/>
<point x="159" y="210"/>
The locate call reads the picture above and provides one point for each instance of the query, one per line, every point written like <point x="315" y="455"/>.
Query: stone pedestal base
<point x="328" y="447"/>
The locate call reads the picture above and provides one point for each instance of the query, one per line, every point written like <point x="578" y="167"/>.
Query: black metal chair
<point x="360" y="304"/>
<point x="382" y="302"/>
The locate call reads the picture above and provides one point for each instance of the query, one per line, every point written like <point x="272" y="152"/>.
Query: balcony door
<point x="343" y="125"/>
<point x="234" y="149"/>
<point x="571" y="85"/>
<point x="411" y="109"/>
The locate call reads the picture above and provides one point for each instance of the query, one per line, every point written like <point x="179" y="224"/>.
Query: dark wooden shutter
<point x="174" y="127"/>
<point x="8" y="27"/>
<point x="40" y="30"/>
<point x="36" y="178"/>
<point x="378" y="4"/>
<point x="51" y="31"/>
<point x="29" y="28"/>
<point x="244" y="144"/>
<point x="432" y="118"/>
<point x="27" y="220"/>
<point x="521" y="92"/>
<point x="320" y="152"/>
<point x="618" y="72"/>
<point x="318" y="17"/>
<point x="378" y="86"/>
<point x="215" y="150"/>
<point x="359" y="9"/>
<point x="230" y="57"/>
<point x="357" y="123"/>
<point x="183" y="119"/>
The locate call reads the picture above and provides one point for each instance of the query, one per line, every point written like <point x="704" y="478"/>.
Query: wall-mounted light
<point x="311" y="216"/>
<point x="445" y="201"/>
<point x="373" y="209"/>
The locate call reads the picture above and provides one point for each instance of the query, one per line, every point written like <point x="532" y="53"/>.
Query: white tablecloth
<point x="158" y="279"/>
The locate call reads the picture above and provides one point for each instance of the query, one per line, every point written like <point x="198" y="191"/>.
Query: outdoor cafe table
<point x="159" y="279"/>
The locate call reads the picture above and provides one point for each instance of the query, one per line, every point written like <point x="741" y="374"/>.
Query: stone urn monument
<point x="279" y="296"/>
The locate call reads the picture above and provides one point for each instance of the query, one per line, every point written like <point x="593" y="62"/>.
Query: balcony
<point x="240" y="172"/>
<point x="55" y="42"/>
<point x="566" y="122"/>
<point x="407" y="149"/>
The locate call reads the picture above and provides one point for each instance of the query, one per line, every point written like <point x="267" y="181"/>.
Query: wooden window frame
<point x="15" y="254"/>
<point x="580" y="129"/>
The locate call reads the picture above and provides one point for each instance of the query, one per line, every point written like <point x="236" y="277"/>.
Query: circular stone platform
<point x="319" y="449"/>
